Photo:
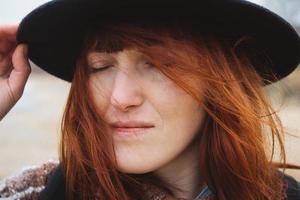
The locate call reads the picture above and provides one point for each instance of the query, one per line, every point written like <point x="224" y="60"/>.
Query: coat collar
<point x="56" y="187"/>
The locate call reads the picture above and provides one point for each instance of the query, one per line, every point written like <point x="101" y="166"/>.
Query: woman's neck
<point x="183" y="172"/>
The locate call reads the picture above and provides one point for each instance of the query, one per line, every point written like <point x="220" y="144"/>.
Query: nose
<point x="126" y="92"/>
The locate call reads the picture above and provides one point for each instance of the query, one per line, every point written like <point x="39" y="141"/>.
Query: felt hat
<point x="54" y="31"/>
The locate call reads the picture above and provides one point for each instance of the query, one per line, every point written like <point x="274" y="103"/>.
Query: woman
<point x="166" y="100"/>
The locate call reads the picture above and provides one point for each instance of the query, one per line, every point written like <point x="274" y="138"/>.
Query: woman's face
<point x="130" y="92"/>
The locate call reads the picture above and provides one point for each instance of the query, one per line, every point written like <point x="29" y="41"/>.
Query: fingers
<point x="7" y="46"/>
<point x="8" y="39"/>
<point x="21" y="69"/>
<point x="8" y="30"/>
<point x="5" y="65"/>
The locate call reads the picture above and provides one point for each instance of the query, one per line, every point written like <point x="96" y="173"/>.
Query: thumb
<point x="21" y="68"/>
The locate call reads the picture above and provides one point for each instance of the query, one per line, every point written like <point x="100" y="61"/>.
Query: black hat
<point x="55" y="30"/>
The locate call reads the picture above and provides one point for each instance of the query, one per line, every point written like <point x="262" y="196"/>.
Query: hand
<point x="14" y="68"/>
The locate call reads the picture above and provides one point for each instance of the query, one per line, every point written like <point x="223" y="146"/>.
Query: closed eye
<point x="99" y="69"/>
<point x="149" y="64"/>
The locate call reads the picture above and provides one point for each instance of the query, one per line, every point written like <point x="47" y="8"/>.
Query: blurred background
<point x="29" y="134"/>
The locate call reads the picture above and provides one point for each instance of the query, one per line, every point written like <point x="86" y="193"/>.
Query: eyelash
<point x="100" y="68"/>
<point x="93" y="69"/>
<point x="150" y="64"/>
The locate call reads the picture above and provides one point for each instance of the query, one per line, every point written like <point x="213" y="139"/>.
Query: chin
<point x="135" y="168"/>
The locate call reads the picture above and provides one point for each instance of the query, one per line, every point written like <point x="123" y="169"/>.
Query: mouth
<point x="131" y="127"/>
<point x="130" y="131"/>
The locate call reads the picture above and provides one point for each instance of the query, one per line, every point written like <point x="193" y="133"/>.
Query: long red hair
<point x="235" y="152"/>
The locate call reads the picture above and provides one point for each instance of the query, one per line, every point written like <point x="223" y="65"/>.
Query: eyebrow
<point x="112" y="56"/>
<point x="94" y="55"/>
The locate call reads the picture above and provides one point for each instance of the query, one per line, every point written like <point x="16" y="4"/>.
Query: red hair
<point x="233" y="151"/>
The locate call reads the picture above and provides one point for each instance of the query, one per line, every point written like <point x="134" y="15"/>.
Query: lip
<point x="131" y="127"/>
<point x="130" y="131"/>
<point x="131" y="124"/>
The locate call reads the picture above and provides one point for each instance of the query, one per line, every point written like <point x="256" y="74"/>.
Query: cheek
<point x="100" y="96"/>
<point x="182" y="118"/>
<point x="175" y="106"/>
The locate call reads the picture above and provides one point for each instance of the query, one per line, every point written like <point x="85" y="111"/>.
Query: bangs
<point x="111" y="39"/>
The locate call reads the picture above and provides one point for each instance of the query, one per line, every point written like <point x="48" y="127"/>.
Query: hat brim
<point x="55" y="30"/>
